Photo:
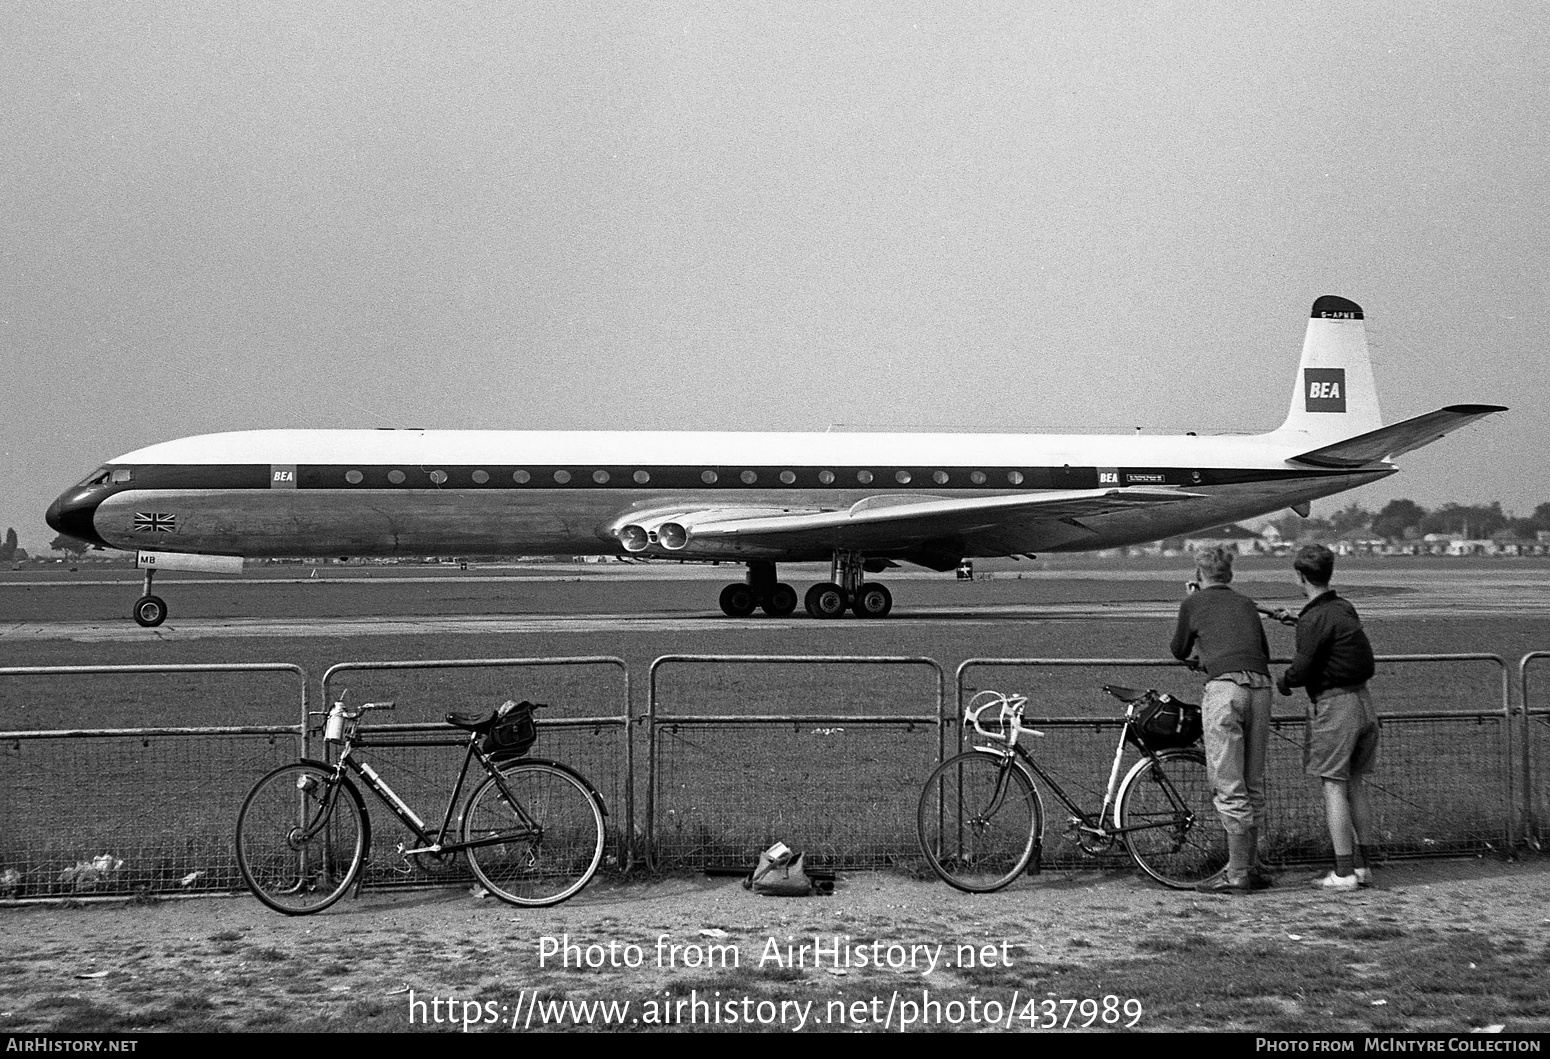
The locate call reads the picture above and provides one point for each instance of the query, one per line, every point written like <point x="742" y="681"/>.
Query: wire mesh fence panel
<point x="1537" y="776"/>
<point x="126" y="814"/>
<point x="585" y="725"/>
<point x="1442" y="785"/>
<point x="824" y="753"/>
<point x="1534" y="760"/>
<point x="128" y="779"/>
<point x="843" y="793"/>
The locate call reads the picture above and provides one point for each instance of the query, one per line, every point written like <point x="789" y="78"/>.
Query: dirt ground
<point x="1437" y="945"/>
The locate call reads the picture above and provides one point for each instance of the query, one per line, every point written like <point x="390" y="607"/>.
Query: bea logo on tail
<point x="1324" y="389"/>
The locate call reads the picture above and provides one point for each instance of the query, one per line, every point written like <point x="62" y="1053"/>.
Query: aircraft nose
<point x="74" y="515"/>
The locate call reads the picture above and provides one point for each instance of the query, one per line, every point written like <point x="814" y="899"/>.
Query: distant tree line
<point x="1406" y="520"/>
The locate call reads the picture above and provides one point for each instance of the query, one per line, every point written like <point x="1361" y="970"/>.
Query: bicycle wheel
<point x="301" y="838"/>
<point x="1180" y="840"/>
<point x="980" y="820"/>
<point x="542" y="845"/>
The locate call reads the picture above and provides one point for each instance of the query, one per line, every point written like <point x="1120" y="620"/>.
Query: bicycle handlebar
<point x="335" y="729"/>
<point x="1009" y="716"/>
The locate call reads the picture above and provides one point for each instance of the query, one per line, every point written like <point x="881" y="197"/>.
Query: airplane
<point x="864" y="502"/>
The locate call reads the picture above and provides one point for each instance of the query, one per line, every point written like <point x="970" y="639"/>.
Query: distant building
<point x="1240" y="539"/>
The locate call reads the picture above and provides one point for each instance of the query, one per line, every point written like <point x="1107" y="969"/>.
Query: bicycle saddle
<point x="473" y="722"/>
<point x="1125" y="694"/>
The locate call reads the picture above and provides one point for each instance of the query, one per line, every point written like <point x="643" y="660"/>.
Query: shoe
<point x="1336" y="882"/>
<point x="1363" y="877"/>
<point x="1223" y="883"/>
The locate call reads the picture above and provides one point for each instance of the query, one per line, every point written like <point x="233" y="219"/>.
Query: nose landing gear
<point x="150" y="610"/>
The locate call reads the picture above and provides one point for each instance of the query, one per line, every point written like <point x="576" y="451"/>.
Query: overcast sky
<point x="1025" y="216"/>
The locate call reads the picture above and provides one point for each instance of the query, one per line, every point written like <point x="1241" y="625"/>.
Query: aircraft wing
<point x="1390" y="441"/>
<point x="896" y="523"/>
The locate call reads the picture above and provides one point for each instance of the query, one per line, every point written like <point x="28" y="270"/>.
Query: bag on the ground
<point x="780" y="874"/>
<point x="1164" y="722"/>
<point x="514" y="732"/>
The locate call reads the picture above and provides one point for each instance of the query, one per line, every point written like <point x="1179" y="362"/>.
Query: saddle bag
<point x="514" y="732"/>
<point x="1163" y="722"/>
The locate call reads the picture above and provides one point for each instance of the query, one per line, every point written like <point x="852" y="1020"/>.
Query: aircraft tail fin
<point x="1334" y="396"/>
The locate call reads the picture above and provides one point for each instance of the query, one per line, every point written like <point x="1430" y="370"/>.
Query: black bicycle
<point x="981" y="819"/>
<point x="532" y="830"/>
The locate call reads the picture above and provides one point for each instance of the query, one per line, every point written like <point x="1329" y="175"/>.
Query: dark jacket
<point x="1225" y="627"/>
<point x="1332" y="648"/>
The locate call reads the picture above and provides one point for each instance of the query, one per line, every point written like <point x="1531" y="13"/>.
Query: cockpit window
<point x="97" y="477"/>
<point x="123" y="474"/>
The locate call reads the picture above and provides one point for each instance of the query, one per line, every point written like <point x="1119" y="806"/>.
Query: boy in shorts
<point x="1334" y="662"/>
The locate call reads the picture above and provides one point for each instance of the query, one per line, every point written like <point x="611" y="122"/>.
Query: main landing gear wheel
<point x="873" y="601"/>
<point x="781" y="601"/>
<point x="150" y="611"/>
<point x="825" y="601"/>
<point x="738" y="601"/>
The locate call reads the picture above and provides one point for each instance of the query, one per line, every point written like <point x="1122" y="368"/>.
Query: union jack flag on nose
<point x="155" y="522"/>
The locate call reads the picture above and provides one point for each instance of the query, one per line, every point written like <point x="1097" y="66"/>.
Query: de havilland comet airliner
<point x="864" y="502"/>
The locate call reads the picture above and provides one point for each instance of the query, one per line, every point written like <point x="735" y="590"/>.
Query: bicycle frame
<point x="1095" y="825"/>
<point x="431" y="842"/>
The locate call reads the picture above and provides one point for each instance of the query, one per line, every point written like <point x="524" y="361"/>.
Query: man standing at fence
<point x="1334" y="662"/>
<point x="1223" y="627"/>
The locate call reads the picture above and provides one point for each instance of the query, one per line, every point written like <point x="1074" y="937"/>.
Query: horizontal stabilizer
<point x="1387" y="442"/>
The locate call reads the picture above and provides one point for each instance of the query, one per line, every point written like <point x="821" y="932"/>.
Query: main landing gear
<point x="845" y="590"/>
<point x="150" y="610"/>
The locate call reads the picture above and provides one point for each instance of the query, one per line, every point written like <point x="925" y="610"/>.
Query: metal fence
<point x="745" y="751"/>
<point x="1534" y="755"/>
<point x="146" y="805"/>
<point x="586" y="726"/>
<point x="1443" y="785"/>
<point x="732" y="752"/>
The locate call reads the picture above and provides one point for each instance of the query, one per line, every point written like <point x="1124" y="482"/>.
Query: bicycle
<point x="532" y="831"/>
<point x="981" y="818"/>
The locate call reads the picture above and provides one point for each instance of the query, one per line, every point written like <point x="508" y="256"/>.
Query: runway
<point x="122" y="631"/>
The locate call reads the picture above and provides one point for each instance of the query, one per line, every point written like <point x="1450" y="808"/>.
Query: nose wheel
<point x="150" y="611"/>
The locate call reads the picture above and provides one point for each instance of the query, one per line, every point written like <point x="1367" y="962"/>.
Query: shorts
<point x="1341" y="741"/>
